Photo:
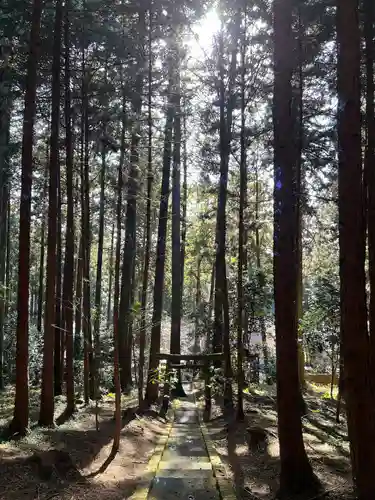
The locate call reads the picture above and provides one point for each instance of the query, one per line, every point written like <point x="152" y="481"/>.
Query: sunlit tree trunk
<point x="116" y="362"/>
<point x="130" y="247"/>
<point x="176" y="217"/>
<point x="146" y="265"/>
<point x="296" y="475"/>
<point x="20" y="420"/>
<point x="59" y="333"/>
<point x="152" y="386"/>
<point x="47" y="404"/>
<point x="4" y="194"/>
<point x="42" y="251"/>
<point x="68" y="293"/>
<point x="110" y="277"/>
<point x="358" y="375"/>
<point x="241" y="233"/>
<point x="300" y="188"/>
<point x="221" y="340"/>
<point x="88" y="358"/>
<point x="184" y="199"/>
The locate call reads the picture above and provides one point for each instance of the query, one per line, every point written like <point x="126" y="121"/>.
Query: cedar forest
<point x="188" y="177"/>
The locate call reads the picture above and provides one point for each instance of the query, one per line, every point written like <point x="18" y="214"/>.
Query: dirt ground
<point x="88" y="449"/>
<point x="254" y="469"/>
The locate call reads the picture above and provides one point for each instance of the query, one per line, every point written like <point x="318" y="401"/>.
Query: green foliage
<point x="321" y="321"/>
<point x="258" y="294"/>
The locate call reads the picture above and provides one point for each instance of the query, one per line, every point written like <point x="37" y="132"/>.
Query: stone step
<point x="184" y="450"/>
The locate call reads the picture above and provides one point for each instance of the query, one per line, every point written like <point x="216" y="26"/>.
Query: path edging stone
<point x="223" y="483"/>
<point x="144" y="486"/>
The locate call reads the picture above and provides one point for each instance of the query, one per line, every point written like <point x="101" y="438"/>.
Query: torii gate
<point x="202" y="361"/>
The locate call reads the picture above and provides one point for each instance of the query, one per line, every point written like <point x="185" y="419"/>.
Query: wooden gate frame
<point x="173" y="362"/>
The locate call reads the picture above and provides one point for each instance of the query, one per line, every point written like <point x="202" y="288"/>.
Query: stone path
<point x="185" y="470"/>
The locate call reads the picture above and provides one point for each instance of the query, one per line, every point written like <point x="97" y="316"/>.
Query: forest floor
<point x="254" y="468"/>
<point x="87" y="447"/>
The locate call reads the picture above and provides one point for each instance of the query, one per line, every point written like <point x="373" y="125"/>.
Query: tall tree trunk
<point x="355" y="340"/>
<point x="241" y="233"/>
<point x="86" y="241"/>
<point x="46" y="415"/>
<point x="8" y="290"/>
<point x="260" y="277"/>
<point x="20" y="420"/>
<point x="175" y="339"/>
<point x="116" y="362"/>
<point x="369" y="32"/>
<point x="198" y="302"/>
<point x="59" y="333"/>
<point x="146" y="265"/>
<point x="78" y="302"/>
<point x="210" y="308"/>
<point x="99" y="264"/>
<point x="296" y="475"/>
<point x="184" y="201"/>
<point x="98" y="285"/>
<point x="130" y="248"/>
<point x="68" y="293"/>
<point x="221" y="340"/>
<point x="176" y="217"/>
<point x="4" y="195"/>
<point x="110" y="278"/>
<point x="152" y="386"/>
<point x="42" y="251"/>
<point x="300" y="188"/>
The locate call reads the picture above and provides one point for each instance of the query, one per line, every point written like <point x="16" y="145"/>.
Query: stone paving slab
<point x="189" y="468"/>
<point x="177" y="450"/>
<point x="205" y="472"/>
<point x="186" y="415"/>
<point x="185" y="471"/>
<point x="185" y="465"/>
<point x="173" y="488"/>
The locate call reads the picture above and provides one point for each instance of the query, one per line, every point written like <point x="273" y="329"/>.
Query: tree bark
<point x="198" y="301"/>
<point x="184" y="201"/>
<point x="116" y="340"/>
<point x="4" y="195"/>
<point x="42" y="252"/>
<point x="78" y="302"/>
<point x="355" y="341"/>
<point x="152" y="386"/>
<point x="299" y="176"/>
<point x="8" y="288"/>
<point x="369" y="165"/>
<point x="175" y="345"/>
<point x="68" y="293"/>
<point x="296" y="475"/>
<point x="98" y="285"/>
<point x="146" y="265"/>
<point x="46" y="415"/>
<point x="20" y="420"/>
<point x="175" y="340"/>
<point x="59" y="333"/>
<point x="221" y="339"/>
<point x="86" y="242"/>
<point x="110" y="277"/>
<point x="130" y="247"/>
<point x="241" y="234"/>
<point x="260" y="277"/>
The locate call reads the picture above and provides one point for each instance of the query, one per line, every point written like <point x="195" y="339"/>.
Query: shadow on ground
<point x="254" y="472"/>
